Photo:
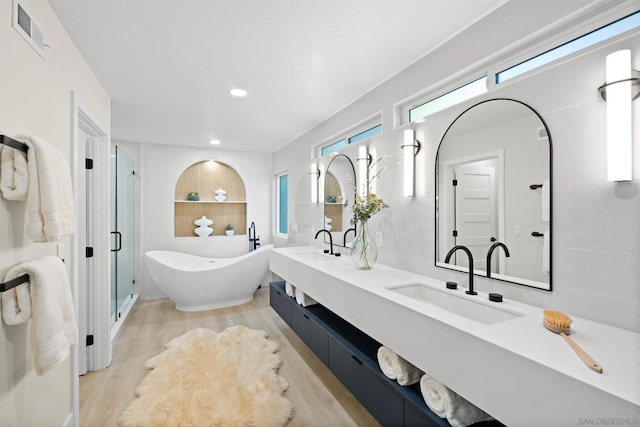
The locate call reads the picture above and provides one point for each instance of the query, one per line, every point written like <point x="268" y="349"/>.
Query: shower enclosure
<point x="122" y="234"/>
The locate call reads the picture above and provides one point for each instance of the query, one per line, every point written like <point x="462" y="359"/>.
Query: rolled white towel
<point x="397" y="368"/>
<point x="14" y="175"/>
<point x="304" y="299"/>
<point x="290" y="289"/>
<point x="447" y="404"/>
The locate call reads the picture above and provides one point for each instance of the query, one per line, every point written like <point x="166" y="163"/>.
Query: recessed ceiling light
<point x="237" y="92"/>
<point x="214" y="142"/>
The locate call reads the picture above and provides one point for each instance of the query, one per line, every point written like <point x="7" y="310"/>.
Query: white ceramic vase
<point x="221" y="195"/>
<point x="203" y="229"/>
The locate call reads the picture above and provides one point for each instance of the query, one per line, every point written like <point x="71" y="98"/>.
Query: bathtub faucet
<point x="254" y="242"/>
<point x="330" y="239"/>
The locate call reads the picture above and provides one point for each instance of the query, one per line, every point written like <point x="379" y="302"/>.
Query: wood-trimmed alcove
<point x="206" y="177"/>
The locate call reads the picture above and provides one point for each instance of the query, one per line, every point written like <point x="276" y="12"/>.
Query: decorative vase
<point x="364" y="251"/>
<point x="203" y="229"/>
<point x="193" y="198"/>
<point x="221" y="195"/>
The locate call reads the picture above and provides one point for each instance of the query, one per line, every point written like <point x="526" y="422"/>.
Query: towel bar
<point x="14" y="282"/>
<point x="13" y="143"/>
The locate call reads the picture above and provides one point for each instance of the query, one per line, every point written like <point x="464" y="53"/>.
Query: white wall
<point x="596" y="246"/>
<point x="162" y="166"/>
<point x="35" y="99"/>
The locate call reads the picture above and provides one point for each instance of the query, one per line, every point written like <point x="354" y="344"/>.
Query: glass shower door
<point x="122" y="234"/>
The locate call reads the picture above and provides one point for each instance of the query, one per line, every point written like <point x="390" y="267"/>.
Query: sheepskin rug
<point x="204" y="378"/>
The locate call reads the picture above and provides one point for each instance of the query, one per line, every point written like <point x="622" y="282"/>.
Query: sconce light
<point x="364" y="159"/>
<point x="619" y="90"/>
<point x="321" y="183"/>
<point x="410" y="149"/>
<point x="315" y="177"/>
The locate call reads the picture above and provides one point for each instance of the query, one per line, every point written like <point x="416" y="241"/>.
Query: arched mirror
<point x="493" y="193"/>
<point x="339" y="194"/>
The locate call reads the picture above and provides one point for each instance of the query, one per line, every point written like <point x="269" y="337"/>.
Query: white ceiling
<point x="168" y="65"/>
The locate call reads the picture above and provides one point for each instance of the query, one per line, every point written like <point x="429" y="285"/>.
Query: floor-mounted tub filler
<point x="196" y="283"/>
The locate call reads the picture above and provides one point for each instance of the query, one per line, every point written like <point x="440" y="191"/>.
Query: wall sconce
<point x="364" y="160"/>
<point x="321" y="183"/>
<point x="619" y="90"/>
<point x="315" y="177"/>
<point x="410" y="149"/>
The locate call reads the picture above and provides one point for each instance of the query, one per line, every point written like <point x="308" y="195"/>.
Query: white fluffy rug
<point x="208" y="379"/>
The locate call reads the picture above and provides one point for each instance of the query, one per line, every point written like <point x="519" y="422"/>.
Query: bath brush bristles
<point x="557" y="318"/>
<point x="560" y="323"/>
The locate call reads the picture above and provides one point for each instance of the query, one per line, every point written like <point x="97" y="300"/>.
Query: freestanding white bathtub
<point x="195" y="283"/>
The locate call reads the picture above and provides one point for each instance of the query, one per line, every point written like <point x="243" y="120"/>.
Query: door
<point x="122" y="234"/>
<point x="475" y="212"/>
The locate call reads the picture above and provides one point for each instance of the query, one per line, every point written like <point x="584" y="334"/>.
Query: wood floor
<point x="318" y="397"/>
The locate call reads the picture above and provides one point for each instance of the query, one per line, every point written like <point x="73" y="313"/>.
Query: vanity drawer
<point x="311" y="333"/>
<point x="280" y="302"/>
<point x="380" y="399"/>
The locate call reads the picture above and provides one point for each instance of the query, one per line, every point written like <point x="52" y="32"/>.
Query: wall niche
<point x="206" y="178"/>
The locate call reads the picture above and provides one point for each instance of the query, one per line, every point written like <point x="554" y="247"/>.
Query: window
<point x="332" y="148"/>
<point x="453" y="97"/>
<point x="282" y="195"/>
<point x="354" y="134"/>
<point x="603" y="33"/>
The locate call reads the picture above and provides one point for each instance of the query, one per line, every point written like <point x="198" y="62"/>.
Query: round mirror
<point x="493" y="193"/>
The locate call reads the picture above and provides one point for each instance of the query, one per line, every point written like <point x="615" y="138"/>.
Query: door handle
<point x="493" y="239"/>
<point x="119" y="235"/>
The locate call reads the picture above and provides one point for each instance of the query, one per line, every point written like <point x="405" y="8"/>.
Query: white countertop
<point x="616" y="350"/>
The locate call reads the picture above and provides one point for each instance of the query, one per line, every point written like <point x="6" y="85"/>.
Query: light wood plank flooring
<point x="318" y="397"/>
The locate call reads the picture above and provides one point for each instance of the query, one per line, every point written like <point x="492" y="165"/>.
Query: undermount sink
<point x="462" y="306"/>
<point x="315" y="256"/>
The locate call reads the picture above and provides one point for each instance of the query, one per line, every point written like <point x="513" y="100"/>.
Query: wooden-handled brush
<point x="560" y="323"/>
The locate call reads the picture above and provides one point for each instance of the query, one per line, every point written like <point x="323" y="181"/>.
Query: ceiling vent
<point x="24" y="24"/>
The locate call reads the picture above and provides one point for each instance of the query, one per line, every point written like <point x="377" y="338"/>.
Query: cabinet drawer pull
<point x="356" y="359"/>
<point x="305" y="316"/>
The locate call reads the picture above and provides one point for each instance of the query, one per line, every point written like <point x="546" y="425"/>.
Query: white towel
<point x="447" y="404"/>
<point x="304" y="299"/>
<point x="14" y="176"/>
<point x="397" y="368"/>
<point x="290" y="289"/>
<point x="46" y="299"/>
<point x="546" y="252"/>
<point x="50" y="198"/>
<point x="545" y="199"/>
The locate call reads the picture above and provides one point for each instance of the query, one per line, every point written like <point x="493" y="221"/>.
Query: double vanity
<point x="497" y="355"/>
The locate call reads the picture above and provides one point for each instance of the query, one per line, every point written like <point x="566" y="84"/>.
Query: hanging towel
<point x="447" y="404"/>
<point x="546" y="252"/>
<point x="304" y="299"/>
<point x="50" y="198"/>
<point x="14" y="176"/>
<point x="396" y="368"/>
<point x="46" y="300"/>
<point x="545" y="198"/>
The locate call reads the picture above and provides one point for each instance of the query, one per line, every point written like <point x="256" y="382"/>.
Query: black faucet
<point x="344" y="236"/>
<point x="330" y="238"/>
<point x="464" y="248"/>
<point x="491" y="249"/>
<point x="254" y="242"/>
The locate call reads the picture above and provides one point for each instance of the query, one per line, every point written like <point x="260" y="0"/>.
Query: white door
<point x="475" y="212"/>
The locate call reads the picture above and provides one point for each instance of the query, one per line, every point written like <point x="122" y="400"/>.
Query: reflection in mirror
<point x="493" y="185"/>
<point x="308" y="213"/>
<point x="339" y="194"/>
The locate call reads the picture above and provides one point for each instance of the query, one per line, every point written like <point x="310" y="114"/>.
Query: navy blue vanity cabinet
<point x="280" y="301"/>
<point x="313" y="335"/>
<point x="382" y="401"/>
